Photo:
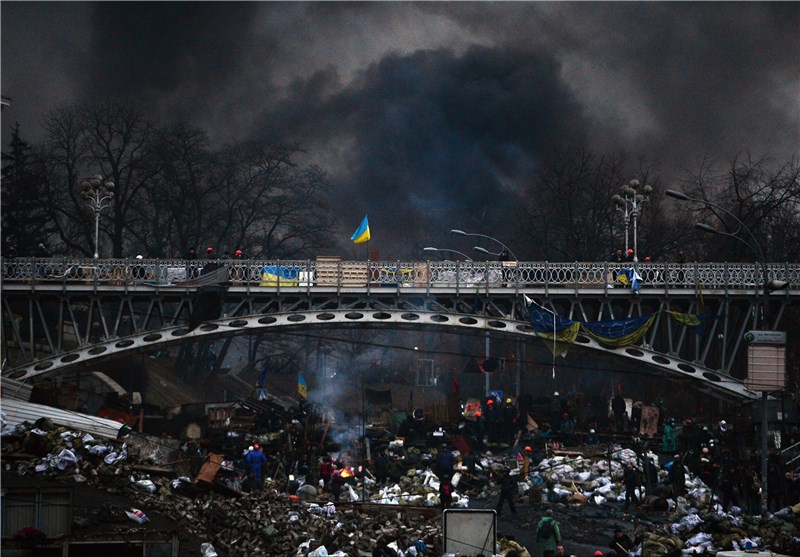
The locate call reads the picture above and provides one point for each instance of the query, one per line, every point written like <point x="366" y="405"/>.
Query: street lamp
<point x="505" y="247"/>
<point x="98" y="196"/>
<point x="630" y="205"/>
<point x="464" y="255"/>
<point x="755" y="247"/>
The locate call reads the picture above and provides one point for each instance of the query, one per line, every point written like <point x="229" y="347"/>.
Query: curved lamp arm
<point x="464" y="255"/>
<point x="505" y="247"/>
<point x="756" y="247"/>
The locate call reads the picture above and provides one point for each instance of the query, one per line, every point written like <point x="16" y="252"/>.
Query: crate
<point x="331" y="271"/>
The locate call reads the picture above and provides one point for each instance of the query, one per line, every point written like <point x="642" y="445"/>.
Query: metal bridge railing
<point x="427" y="274"/>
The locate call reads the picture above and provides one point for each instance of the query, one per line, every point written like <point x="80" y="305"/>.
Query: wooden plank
<point x="210" y="468"/>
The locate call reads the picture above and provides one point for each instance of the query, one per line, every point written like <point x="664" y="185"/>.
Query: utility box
<point x="766" y="360"/>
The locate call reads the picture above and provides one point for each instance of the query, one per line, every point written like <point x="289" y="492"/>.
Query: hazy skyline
<point x="425" y="108"/>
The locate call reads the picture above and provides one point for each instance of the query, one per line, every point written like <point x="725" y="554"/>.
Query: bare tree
<point x="761" y="193"/>
<point x="267" y="205"/>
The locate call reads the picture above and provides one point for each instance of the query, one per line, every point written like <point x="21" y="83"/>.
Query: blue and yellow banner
<point x="273" y="275"/>
<point x="621" y="332"/>
<point x="691" y="320"/>
<point x="302" y="386"/>
<point x="361" y="234"/>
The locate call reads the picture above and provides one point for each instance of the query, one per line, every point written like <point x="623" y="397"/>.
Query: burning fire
<point x="346" y="473"/>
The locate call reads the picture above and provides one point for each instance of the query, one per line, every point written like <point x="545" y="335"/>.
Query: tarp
<point x="19" y="411"/>
<point x="619" y="332"/>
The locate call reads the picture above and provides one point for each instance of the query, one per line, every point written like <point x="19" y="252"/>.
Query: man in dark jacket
<point x="508" y="491"/>
<point x="677" y="476"/>
<point x="631" y="479"/>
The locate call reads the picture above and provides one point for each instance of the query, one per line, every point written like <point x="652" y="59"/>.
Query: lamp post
<point x="755" y="247"/>
<point x="505" y="247"/>
<point x="464" y="255"/>
<point x="629" y="203"/>
<point x="98" y="196"/>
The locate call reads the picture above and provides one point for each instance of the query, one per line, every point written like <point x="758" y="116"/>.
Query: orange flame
<point x="346" y="473"/>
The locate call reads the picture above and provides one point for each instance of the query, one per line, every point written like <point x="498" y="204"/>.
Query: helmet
<point x="508" y="401"/>
<point x="630" y="250"/>
<point x="528" y="448"/>
<point x="598" y="553"/>
<point x="591" y="431"/>
<point x="238" y="252"/>
<point x="139" y="257"/>
<point x="209" y="249"/>
<point x="250" y="448"/>
<point x="490" y="401"/>
<point x="555" y="393"/>
<point x="256" y="446"/>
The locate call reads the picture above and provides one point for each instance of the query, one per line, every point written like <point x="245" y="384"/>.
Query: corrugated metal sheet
<point x="11" y="388"/>
<point x="19" y="411"/>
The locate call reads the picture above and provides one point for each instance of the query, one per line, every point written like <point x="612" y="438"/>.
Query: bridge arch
<point x="705" y="379"/>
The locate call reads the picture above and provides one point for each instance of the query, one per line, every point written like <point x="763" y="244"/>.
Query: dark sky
<point x="426" y="108"/>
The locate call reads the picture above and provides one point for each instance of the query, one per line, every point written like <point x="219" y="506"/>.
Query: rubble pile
<point x="268" y="522"/>
<point x="271" y="522"/>
<point x="259" y="523"/>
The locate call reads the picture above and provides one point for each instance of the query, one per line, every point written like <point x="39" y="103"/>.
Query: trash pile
<point x="263" y="522"/>
<point x="269" y="521"/>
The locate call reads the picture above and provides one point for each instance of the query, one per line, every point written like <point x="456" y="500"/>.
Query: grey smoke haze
<point x="431" y="109"/>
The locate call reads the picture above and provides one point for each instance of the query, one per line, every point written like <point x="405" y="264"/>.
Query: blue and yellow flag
<point x="302" y="386"/>
<point x="361" y="234"/>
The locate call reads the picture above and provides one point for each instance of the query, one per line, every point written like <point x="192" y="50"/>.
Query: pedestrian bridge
<point x="60" y="313"/>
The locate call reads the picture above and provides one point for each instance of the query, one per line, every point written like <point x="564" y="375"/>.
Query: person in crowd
<point x="508" y="492"/>
<point x="255" y="460"/>
<point x="621" y="543"/>
<point x="445" y="462"/>
<point x="210" y="253"/>
<point x="548" y="534"/>
<point x="631" y="479"/>
<point x="382" y="468"/>
<point x="337" y="483"/>
<point x="190" y="254"/>
<point x="676" y="474"/>
<point x="555" y="413"/>
<point x="620" y="413"/>
<point x="591" y="438"/>
<point x="775" y="482"/>
<point x="792" y="481"/>
<point x="326" y="471"/>
<point x="669" y="438"/>
<point x="445" y="491"/>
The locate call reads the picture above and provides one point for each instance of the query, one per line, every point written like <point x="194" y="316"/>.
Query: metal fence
<point x="424" y="274"/>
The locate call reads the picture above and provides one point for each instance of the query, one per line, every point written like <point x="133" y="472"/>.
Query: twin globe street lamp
<point x="98" y="196"/>
<point x="629" y="203"/>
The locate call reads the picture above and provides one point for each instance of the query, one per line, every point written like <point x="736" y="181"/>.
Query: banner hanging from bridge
<point x="614" y="333"/>
<point x="620" y="332"/>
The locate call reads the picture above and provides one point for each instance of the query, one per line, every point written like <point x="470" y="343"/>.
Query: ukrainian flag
<point x="273" y="275"/>
<point x="361" y="234"/>
<point x="302" y="386"/>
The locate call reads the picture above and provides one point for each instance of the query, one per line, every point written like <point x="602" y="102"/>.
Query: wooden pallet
<point x="331" y="271"/>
